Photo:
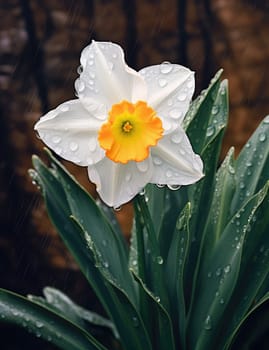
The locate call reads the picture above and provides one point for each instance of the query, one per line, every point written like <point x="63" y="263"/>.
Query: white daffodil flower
<point x="125" y="125"/>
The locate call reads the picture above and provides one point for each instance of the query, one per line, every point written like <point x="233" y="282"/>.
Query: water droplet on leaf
<point x="215" y="110"/>
<point x="159" y="260"/>
<point x="262" y="137"/>
<point x="208" y="323"/>
<point x="210" y="130"/>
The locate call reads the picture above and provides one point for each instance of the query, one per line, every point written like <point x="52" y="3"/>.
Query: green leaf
<point x="219" y="213"/>
<point x="254" y="263"/>
<point x="61" y="303"/>
<point x="44" y="323"/>
<point x="200" y="194"/>
<point x="252" y="166"/>
<point x="175" y="270"/>
<point x="200" y="109"/>
<point x="248" y="334"/>
<point x="116" y="303"/>
<point x="162" y="335"/>
<point x="154" y="269"/>
<point x="84" y="209"/>
<point x="219" y="276"/>
<point x="129" y="323"/>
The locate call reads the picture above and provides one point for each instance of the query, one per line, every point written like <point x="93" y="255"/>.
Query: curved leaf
<point x="44" y="323"/>
<point x="218" y="277"/>
<point x="252" y="166"/>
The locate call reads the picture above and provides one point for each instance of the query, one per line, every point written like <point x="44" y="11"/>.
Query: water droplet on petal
<point x="157" y="160"/>
<point x="262" y="137"/>
<point x="174" y="187"/>
<point x="160" y="185"/>
<point x="182" y="151"/>
<point x="162" y="82"/>
<point x="73" y="146"/>
<point x="166" y="124"/>
<point x="142" y="166"/>
<point x="80" y="86"/>
<point x="176" y="138"/>
<point x="80" y="69"/>
<point x="117" y="208"/>
<point x="56" y="139"/>
<point x="64" y="108"/>
<point x="110" y="65"/>
<point x="170" y="102"/>
<point x="128" y="177"/>
<point x="175" y="113"/>
<point x="114" y="55"/>
<point x="208" y="323"/>
<point x="169" y="173"/>
<point x="166" y="67"/>
<point x="90" y="62"/>
<point x="92" y="145"/>
<point x="182" y="97"/>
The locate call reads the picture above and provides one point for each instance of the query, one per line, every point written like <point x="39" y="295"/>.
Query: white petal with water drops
<point x="170" y="88"/>
<point x="118" y="183"/>
<point x="107" y="78"/>
<point x="70" y="131"/>
<point x="177" y="168"/>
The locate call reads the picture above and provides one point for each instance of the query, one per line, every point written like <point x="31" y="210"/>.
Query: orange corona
<point x="130" y="130"/>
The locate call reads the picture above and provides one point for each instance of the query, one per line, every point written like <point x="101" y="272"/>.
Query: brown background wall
<point x="40" y="44"/>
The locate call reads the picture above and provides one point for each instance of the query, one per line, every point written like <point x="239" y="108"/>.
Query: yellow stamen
<point x="130" y="130"/>
<point x="127" y="126"/>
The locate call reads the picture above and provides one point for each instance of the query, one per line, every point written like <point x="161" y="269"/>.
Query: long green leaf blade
<point x="45" y="323"/>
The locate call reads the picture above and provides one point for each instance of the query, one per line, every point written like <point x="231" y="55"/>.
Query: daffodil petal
<point x="106" y="78"/>
<point x="71" y="131"/>
<point x="174" y="161"/>
<point x="118" y="183"/>
<point x="170" y="89"/>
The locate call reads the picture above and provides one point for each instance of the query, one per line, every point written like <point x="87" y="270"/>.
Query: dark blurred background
<point x="40" y="45"/>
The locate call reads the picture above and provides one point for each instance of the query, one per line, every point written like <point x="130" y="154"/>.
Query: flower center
<point x="127" y="126"/>
<point x="130" y="130"/>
